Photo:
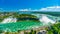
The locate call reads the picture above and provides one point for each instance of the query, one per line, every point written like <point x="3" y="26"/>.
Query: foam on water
<point x="9" y="20"/>
<point x="46" y="20"/>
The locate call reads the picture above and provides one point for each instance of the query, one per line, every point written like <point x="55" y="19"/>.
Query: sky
<point x="26" y="4"/>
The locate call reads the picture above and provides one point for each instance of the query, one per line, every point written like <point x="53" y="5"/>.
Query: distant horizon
<point x="47" y="9"/>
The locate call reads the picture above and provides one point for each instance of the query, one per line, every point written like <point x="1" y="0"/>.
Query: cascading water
<point x="44" y="19"/>
<point x="9" y="20"/>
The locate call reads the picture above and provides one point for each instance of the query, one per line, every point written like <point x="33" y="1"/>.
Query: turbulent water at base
<point x="9" y="20"/>
<point x="44" y="19"/>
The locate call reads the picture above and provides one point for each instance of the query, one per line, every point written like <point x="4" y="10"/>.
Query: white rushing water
<point x="44" y="19"/>
<point x="9" y="20"/>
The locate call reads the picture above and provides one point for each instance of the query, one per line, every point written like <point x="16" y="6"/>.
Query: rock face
<point x="46" y="20"/>
<point x="9" y="20"/>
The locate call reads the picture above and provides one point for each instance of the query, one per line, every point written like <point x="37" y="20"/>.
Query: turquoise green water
<point x="23" y="25"/>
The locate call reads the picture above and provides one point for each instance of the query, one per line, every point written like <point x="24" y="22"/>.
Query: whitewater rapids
<point x="44" y="19"/>
<point x="9" y="20"/>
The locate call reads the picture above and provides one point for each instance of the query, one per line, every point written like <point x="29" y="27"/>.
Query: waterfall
<point x="9" y="20"/>
<point x="44" y="19"/>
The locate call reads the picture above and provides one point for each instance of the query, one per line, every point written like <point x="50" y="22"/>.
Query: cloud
<point x="23" y="10"/>
<point x="43" y="9"/>
<point x="52" y="8"/>
<point x="28" y="10"/>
